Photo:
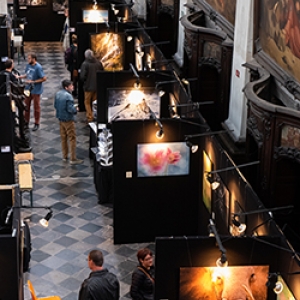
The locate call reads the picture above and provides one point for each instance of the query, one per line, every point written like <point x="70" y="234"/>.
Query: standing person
<point x="65" y="37"/>
<point x="65" y="111"/>
<point x="72" y="63"/>
<point x="88" y="72"/>
<point x="9" y="70"/>
<point x="35" y="77"/>
<point x="142" y="283"/>
<point x="101" y="284"/>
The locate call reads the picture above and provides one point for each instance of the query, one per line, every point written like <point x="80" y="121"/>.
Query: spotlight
<point x="160" y="133"/>
<point x="161" y="93"/>
<point x="45" y="221"/>
<point x="194" y="148"/>
<point x="241" y="227"/>
<point x="274" y="284"/>
<point x="214" y="184"/>
<point x="278" y="287"/>
<point x="140" y="53"/>
<point x="95" y="6"/>
<point x="222" y="261"/>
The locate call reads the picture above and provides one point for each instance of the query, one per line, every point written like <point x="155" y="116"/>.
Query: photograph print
<point x="32" y="2"/>
<point x="132" y="103"/>
<point x="109" y="49"/>
<point x="163" y="159"/>
<point x="215" y="283"/>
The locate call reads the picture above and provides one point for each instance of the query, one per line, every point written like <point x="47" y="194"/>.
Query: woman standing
<point x="142" y="284"/>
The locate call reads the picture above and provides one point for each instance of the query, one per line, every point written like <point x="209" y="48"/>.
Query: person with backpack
<point x="71" y="63"/>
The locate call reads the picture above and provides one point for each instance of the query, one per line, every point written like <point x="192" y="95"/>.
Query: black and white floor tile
<point x="58" y="258"/>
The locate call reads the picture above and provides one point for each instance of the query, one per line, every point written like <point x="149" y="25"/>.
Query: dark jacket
<point x="88" y="74"/>
<point x="142" y="287"/>
<point x="72" y="65"/>
<point x="64" y="105"/>
<point x="101" y="285"/>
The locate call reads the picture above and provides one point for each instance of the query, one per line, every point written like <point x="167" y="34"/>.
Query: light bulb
<point x="160" y="134"/>
<point x="278" y="287"/>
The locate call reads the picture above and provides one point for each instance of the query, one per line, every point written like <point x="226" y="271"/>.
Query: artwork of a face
<point x="213" y="283"/>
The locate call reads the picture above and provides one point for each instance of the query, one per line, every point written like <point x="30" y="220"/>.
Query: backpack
<point x="68" y="56"/>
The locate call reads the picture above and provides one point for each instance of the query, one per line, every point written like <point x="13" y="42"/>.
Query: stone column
<point x="178" y="56"/>
<point x="243" y="51"/>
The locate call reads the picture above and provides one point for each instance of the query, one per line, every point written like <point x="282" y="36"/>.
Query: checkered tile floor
<point x="58" y="258"/>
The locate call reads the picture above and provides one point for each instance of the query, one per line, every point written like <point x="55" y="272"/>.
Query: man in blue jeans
<point x="65" y="111"/>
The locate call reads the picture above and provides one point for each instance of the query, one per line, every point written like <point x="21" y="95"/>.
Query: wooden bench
<point x="23" y="161"/>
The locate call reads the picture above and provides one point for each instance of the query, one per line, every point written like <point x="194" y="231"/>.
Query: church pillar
<point x="243" y="51"/>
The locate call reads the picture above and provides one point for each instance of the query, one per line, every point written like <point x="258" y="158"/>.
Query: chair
<point x="34" y="297"/>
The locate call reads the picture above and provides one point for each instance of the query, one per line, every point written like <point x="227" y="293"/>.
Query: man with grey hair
<point x="88" y="74"/>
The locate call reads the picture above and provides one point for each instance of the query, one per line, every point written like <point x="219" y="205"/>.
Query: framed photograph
<point x="32" y="2"/>
<point x="279" y="33"/>
<point x="59" y="5"/>
<point x="290" y="137"/>
<point x="212" y="283"/>
<point x="94" y="15"/>
<point x="163" y="159"/>
<point x="109" y="49"/>
<point x="132" y="103"/>
<point x="206" y="189"/>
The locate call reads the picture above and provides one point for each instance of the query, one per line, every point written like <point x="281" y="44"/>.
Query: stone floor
<point x="58" y="258"/>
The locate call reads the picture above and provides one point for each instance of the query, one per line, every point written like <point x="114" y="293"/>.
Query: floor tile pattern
<point x="58" y="258"/>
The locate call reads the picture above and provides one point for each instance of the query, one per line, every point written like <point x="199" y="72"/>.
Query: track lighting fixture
<point x="195" y="105"/>
<point x="95" y="5"/>
<point x="242" y="226"/>
<point x="221" y="261"/>
<point x="154" y="44"/>
<point x="160" y="133"/>
<point x="44" y="221"/>
<point x="129" y="37"/>
<point x="274" y="284"/>
<point x="140" y="53"/>
<point x="193" y="147"/>
<point x="214" y="184"/>
<point x="234" y="167"/>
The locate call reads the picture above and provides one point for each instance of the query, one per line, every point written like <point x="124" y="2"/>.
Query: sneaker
<point x="76" y="162"/>
<point x="35" y="127"/>
<point x="65" y="159"/>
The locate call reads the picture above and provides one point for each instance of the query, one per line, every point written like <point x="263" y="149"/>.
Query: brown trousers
<point x="37" y="108"/>
<point x="89" y="97"/>
<point x="68" y="133"/>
